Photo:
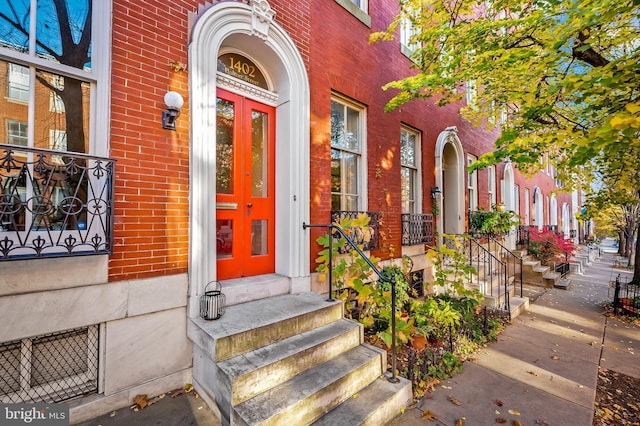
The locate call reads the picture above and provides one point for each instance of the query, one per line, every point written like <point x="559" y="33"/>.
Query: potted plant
<point x="494" y="222"/>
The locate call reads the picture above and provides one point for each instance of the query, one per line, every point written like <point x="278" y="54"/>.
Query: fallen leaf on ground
<point x="501" y="420"/>
<point x="516" y="423"/>
<point x="454" y="400"/>
<point x="460" y="422"/>
<point x="428" y="415"/>
<point x="555" y="357"/>
<point x="140" y="400"/>
<point x="533" y="373"/>
<point x="514" y="412"/>
<point x="497" y="402"/>
<point x="541" y="423"/>
<point x="177" y="393"/>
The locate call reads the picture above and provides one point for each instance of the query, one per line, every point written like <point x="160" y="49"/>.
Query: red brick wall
<point x="152" y="171"/>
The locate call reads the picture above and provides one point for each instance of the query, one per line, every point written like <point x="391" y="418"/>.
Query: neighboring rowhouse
<point x="112" y="223"/>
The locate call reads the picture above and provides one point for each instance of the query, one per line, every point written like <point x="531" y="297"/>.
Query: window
<point x="55" y="74"/>
<point x="516" y="199"/>
<point x="472" y="94"/>
<point x="347" y="144"/>
<point x="472" y="185"/>
<point x="53" y="367"/>
<point x="407" y="32"/>
<point x="362" y="4"/>
<point x="491" y="185"/>
<point x="57" y="140"/>
<point x="16" y="132"/>
<point x="409" y="171"/>
<point x="18" y="83"/>
<point x="527" y="209"/>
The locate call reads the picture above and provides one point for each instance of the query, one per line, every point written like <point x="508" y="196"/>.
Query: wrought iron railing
<point x="513" y="262"/>
<point x="492" y="278"/>
<point x="626" y="297"/>
<point x="573" y="233"/>
<point x="54" y="203"/>
<point x="417" y="229"/>
<point x="373" y="242"/>
<point x="331" y="228"/>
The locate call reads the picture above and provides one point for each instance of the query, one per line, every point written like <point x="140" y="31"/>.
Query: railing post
<point x="330" y="231"/>
<point x="616" y="296"/>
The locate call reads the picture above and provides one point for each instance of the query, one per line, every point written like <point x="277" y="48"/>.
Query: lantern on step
<point x="212" y="301"/>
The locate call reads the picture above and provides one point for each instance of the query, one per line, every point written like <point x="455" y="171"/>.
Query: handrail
<point x="392" y="281"/>
<point x="510" y="254"/>
<point x="491" y="258"/>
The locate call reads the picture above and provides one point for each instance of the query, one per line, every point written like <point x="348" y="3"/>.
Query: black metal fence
<point x="54" y="203"/>
<point x="49" y="368"/>
<point x="626" y="298"/>
<point x="420" y="360"/>
<point x="417" y="229"/>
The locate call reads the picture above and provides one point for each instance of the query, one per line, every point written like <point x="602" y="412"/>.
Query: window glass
<point x="346" y="156"/>
<point x="409" y="170"/>
<point x="472" y="185"/>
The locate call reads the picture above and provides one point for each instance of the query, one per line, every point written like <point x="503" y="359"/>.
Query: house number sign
<point x="242" y="68"/>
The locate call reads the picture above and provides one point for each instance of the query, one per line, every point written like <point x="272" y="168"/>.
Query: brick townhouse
<point x="117" y="210"/>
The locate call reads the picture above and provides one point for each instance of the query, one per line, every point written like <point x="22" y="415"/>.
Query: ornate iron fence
<point x="417" y="229"/>
<point x="54" y="203"/>
<point x="626" y="298"/>
<point x="374" y="224"/>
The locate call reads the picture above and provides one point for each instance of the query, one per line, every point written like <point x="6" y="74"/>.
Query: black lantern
<point x="212" y="302"/>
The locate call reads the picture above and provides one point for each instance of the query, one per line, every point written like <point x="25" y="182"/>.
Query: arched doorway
<point x="508" y="196"/>
<point x="450" y="179"/>
<point x="250" y="32"/>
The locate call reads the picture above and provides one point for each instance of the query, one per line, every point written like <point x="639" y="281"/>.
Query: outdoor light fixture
<point x="174" y="102"/>
<point x="435" y="192"/>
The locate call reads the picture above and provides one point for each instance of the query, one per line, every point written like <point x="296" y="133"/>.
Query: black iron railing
<point x="552" y="228"/>
<point x="492" y="278"/>
<point x="54" y="203"/>
<point x="626" y="298"/>
<point x="513" y="262"/>
<point x="417" y="229"/>
<point x="331" y="228"/>
<point x="522" y="240"/>
<point x="374" y="224"/>
<point x="573" y="233"/>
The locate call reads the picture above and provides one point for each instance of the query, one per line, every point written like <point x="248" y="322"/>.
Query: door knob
<point x="250" y="205"/>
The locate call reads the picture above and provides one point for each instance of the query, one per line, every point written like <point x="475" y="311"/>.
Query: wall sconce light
<point x="174" y="102"/>
<point x="435" y="192"/>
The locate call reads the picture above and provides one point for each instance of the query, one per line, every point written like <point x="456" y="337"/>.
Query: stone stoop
<point x="292" y="359"/>
<point x="563" y="284"/>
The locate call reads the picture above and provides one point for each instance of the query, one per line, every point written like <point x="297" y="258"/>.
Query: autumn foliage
<point x="547" y="246"/>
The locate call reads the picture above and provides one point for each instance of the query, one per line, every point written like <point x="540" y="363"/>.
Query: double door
<point x="245" y="186"/>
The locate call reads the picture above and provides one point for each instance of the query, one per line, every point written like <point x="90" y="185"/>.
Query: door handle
<point x="249" y="205"/>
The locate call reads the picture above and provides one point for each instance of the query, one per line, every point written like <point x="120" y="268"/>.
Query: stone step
<point x="518" y="305"/>
<point x="254" y="372"/>
<point x="563" y="284"/>
<point x="249" y="326"/>
<point x="309" y="395"/>
<point x="374" y="405"/>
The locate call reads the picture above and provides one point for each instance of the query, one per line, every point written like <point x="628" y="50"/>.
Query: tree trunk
<point x="622" y="241"/>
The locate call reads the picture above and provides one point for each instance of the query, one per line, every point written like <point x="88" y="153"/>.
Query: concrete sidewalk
<point x="544" y="368"/>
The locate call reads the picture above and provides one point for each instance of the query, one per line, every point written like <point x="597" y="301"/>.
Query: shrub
<point x="546" y="246"/>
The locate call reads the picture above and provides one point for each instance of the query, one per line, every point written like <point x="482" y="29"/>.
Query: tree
<point x="563" y="72"/>
<point x="67" y="40"/>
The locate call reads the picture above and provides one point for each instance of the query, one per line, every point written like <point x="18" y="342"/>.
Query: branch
<point x="588" y="54"/>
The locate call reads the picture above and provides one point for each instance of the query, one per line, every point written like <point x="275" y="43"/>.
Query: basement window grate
<point x="49" y="368"/>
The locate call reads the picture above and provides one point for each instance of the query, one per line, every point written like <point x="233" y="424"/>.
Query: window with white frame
<point x="410" y="170"/>
<point x="18" y="82"/>
<point x="17" y="132"/>
<point x="491" y="185"/>
<point x="362" y="4"/>
<point x="472" y="94"/>
<point x="527" y="206"/>
<point x="53" y="71"/>
<point x="407" y="32"/>
<point x="516" y="198"/>
<point x="472" y="184"/>
<point x="347" y="148"/>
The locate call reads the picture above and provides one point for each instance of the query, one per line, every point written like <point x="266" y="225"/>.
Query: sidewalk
<point x="544" y="368"/>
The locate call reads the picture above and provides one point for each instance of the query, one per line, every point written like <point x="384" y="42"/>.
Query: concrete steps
<point x="291" y="359"/>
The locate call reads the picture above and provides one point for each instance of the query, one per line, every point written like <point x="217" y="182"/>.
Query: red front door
<point x="245" y="186"/>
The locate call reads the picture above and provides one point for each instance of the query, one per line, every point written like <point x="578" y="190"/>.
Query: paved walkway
<point x="544" y="368"/>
